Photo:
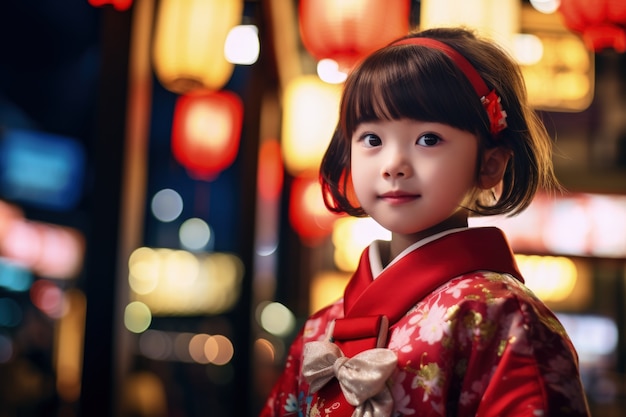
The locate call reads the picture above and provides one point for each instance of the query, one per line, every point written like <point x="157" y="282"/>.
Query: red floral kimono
<point x="447" y="329"/>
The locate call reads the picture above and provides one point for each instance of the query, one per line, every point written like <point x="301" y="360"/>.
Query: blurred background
<point x="162" y="233"/>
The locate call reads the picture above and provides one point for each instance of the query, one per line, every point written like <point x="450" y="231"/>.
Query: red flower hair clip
<point x="490" y="100"/>
<point x="497" y="116"/>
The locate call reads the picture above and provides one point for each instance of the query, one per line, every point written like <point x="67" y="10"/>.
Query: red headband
<point x="489" y="99"/>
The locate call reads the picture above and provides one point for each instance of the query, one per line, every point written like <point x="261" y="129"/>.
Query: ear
<point x="493" y="166"/>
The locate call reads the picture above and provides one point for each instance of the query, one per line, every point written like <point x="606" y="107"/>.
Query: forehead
<point x="408" y="82"/>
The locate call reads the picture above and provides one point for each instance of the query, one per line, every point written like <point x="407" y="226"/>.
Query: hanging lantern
<point x="345" y="31"/>
<point x="119" y="5"/>
<point x="309" y="120"/>
<point x="308" y="215"/>
<point x="206" y="130"/>
<point x="189" y="43"/>
<point x="601" y="23"/>
<point x="498" y="19"/>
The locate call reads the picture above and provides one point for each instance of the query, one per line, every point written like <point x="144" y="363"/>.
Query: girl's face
<point x="411" y="176"/>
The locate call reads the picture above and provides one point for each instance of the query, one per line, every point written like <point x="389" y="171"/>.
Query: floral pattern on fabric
<point x="480" y="345"/>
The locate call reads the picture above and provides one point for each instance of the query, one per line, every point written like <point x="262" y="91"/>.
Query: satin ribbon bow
<point x="362" y="378"/>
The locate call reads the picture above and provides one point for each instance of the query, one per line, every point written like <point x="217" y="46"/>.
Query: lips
<point x="398" y="197"/>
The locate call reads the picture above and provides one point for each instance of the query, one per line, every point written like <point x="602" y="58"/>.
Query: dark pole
<point x="101" y="264"/>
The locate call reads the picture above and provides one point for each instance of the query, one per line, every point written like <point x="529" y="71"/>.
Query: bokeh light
<point x="242" y="45"/>
<point x="546" y="6"/>
<point x="276" y="319"/>
<point x="47" y="297"/>
<point x="195" y="234"/>
<point x="156" y="344"/>
<point x="166" y="205"/>
<point x="14" y="277"/>
<point x="552" y="278"/>
<point x="328" y="71"/>
<point x="219" y="349"/>
<point x="137" y="317"/>
<point x="264" y="351"/>
<point x="180" y="282"/>
<point x="197" y="347"/>
<point x="350" y="236"/>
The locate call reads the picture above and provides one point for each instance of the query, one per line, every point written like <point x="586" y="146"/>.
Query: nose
<point x="397" y="165"/>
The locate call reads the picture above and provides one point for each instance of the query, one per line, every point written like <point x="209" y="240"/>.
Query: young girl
<point x="436" y="322"/>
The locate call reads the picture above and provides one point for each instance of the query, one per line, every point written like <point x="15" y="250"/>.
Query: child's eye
<point x="370" y="140"/>
<point x="429" y="139"/>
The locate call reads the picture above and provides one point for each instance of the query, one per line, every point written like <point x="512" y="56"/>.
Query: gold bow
<point x="363" y="378"/>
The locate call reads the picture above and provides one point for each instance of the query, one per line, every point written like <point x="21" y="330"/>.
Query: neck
<point x="399" y="242"/>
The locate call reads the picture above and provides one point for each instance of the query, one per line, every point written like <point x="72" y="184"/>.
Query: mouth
<point x="398" y="197"/>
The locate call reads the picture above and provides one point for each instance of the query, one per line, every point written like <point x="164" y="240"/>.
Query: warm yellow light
<point x="563" y="79"/>
<point x="69" y="346"/>
<point x="143" y="394"/>
<point x="328" y="71"/>
<point x="219" y="349"/>
<point x="498" y="19"/>
<point x="327" y="287"/>
<point x="137" y="317"/>
<point x="143" y="270"/>
<point x="527" y="48"/>
<point x="196" y="348"/>
<point x="552" y="278"/>
<point x="207" y="121"/>
<point x="545" y="6"/>
<point x="189" y="43"/>
<point x="242" y="45"/>
<point x="311" y="111"/>
<point x="179" y="282"/>
<point x="350" y="236"/>
<point x="264" y="351"/>
<point x="276" y="319"/>
<point x="565" y="69"/>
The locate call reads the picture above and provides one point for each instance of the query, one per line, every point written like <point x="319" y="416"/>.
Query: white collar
<point x="376" y="265"/>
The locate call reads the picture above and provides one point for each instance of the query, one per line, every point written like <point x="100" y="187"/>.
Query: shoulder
<point x="475" y="328"/>
<point x="487" y="303"/>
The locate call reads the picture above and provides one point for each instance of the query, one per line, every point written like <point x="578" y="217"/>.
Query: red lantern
<point x="206" y="130"/>
<point x="119" y="5"/>
<point x="348" y="30"/>
<point x="308" y="215"/>
<point x="601" y="23"/>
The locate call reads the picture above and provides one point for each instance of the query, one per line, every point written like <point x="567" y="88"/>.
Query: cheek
<point x="358" y="179"/>
<point x="452" y="177"/>
<point x="362" y="180"/>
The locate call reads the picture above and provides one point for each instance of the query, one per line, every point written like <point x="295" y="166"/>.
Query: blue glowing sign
<point x="14" y="277"/>
<point x="41" y="169"/>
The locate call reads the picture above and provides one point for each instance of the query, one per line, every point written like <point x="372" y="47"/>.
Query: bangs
<point x="410" y="82"/>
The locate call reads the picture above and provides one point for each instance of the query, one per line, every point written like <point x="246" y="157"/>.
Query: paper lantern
<point x="345" y="31"/>
<point x="189" y="43"/>
<point x="309" y="120"/>
<point x="308" y="215"/>
<point x="498" y="19"/>
<point x="601" y="23"/>
<point x="120" y="5"/>
<point x="206" y="131"/>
